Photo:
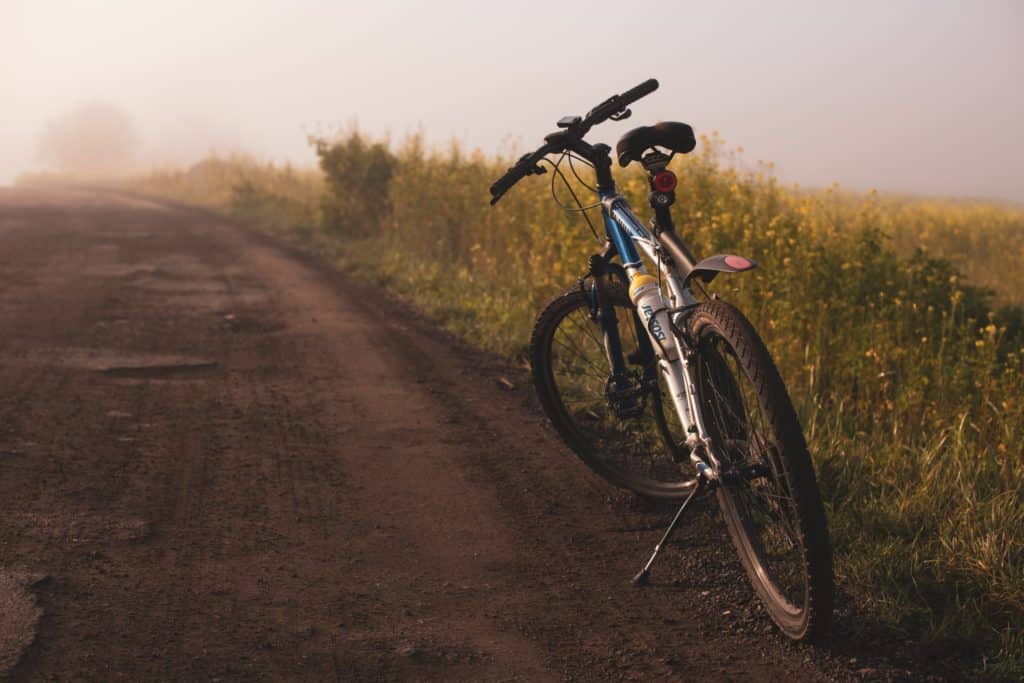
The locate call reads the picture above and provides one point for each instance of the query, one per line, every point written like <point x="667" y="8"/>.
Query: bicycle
<point x="667" y="394"/>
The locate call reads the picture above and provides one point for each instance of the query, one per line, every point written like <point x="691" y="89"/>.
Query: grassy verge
<point x="908" y="377"/>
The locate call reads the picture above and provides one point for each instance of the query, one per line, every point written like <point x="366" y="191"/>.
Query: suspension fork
<point x="602" y="309"/>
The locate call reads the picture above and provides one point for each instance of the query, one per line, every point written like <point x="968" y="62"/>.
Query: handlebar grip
<point x="527" y="165"/>
<point x="642" y="90"/>
<point x="617" y="103"/>
<point x="505" y="183"/>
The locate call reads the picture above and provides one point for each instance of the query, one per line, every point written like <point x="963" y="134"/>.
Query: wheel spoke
<point x="640" y="446"/>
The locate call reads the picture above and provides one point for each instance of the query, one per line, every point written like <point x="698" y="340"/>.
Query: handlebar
<point x="575" y="129"/>
<point x="618" y="103"/>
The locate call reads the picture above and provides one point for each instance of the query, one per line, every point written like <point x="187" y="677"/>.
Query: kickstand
<point x="645" y="573"/>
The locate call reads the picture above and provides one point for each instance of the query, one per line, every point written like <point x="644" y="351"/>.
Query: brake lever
<point x="624" y="114"/>
<point x="537" y="169"/>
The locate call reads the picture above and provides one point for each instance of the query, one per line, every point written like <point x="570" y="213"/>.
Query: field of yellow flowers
<point x="896" y="323"/>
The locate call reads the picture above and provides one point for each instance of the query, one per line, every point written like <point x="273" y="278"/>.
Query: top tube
<point x="622" y="227"/>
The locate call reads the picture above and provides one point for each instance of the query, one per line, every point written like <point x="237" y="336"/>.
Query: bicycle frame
<point x="625" y="231"/>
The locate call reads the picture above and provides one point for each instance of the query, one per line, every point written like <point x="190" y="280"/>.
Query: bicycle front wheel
<point x="624" y="428"/>
<point x="769" y="499"/>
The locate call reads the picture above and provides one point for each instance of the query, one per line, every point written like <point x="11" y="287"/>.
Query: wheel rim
<point x="756" y="496"/>
<point x="640" y="449"/>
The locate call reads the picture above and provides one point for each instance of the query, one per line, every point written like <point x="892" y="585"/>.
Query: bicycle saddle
<point x="676" y="136"/>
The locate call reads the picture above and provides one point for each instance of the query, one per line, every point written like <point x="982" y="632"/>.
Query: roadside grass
<point x="896" y="323"/>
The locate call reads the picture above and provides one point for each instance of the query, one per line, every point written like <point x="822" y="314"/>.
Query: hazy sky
<point x="906" y="96"/>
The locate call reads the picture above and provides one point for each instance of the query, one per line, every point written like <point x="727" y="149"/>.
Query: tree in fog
<point x="90" y="138"/>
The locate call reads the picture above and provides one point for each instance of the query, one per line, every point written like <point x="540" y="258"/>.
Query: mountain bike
<point x="668" y="391"/>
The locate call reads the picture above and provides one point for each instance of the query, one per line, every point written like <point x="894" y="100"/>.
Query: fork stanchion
<point x="643" y="577"/>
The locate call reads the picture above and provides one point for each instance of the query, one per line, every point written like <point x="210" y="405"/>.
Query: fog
<point x="920" y="97"/>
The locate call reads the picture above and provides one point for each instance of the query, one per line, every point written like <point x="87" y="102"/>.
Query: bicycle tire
<point x="786" y="493"/>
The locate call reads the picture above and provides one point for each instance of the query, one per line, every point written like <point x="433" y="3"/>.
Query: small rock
<point x="409" y="651"/>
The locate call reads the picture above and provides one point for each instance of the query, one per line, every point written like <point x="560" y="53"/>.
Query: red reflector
<point x="664" y="181"/>
<point x="737" y="262"/>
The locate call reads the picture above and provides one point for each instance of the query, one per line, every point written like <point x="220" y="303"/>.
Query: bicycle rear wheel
<point x="623" y="428"/>
<point x="769" y="499"/>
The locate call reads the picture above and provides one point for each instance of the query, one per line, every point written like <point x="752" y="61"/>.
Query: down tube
<point x="623" y="243"/>
<point x="673" y="372"/>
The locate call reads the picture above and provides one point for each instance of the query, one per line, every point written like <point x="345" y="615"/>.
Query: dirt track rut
<point x="219" y="459"/>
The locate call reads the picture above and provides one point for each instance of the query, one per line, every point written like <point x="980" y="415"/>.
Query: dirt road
<point x="220" y="460"/>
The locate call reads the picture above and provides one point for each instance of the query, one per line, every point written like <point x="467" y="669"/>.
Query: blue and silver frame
<point x="630" y="238"/>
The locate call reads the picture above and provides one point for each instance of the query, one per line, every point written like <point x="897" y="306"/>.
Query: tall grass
<point x="907" y="373"/>
<point x="271" y="196"/>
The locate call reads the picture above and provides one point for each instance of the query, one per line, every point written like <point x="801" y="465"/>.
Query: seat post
<point x="662" y="218"/>
<point x="661" y="201"/>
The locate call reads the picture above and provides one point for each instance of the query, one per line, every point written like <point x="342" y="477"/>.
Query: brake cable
<point x="574" y="172"/>
<point x="579" y="208"/>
